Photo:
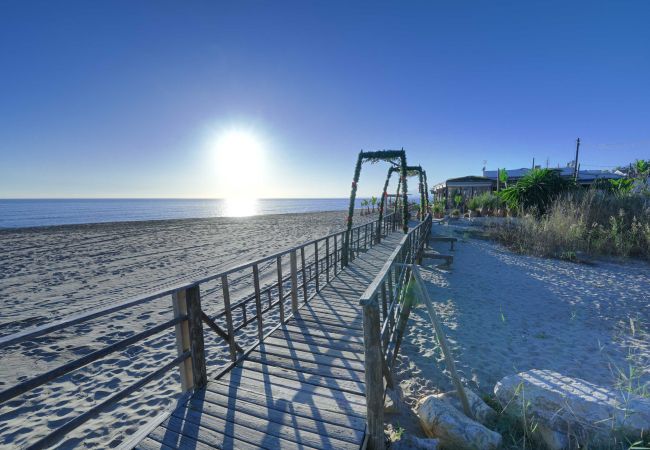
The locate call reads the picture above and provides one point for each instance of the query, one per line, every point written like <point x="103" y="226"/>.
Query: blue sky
<point x="126" y="99"/>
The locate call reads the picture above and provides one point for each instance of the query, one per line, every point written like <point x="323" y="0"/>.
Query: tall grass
<point x="592" y="221"/>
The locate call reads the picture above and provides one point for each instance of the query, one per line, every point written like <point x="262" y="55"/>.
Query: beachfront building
<point x="585" y="177"/>
<point x="468" y="187"/>
<point x="472" y="185"/>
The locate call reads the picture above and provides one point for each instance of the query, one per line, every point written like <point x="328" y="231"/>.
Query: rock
<point x="481" y="411"/>
<point x="441" y="420"/>
<point x="569" y="412"/>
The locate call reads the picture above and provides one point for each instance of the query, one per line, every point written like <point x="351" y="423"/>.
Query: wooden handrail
<point x="384" y="324"/>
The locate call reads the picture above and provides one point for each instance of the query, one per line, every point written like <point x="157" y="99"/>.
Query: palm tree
<point x="364" y="203"/>
<point x="642" y="167"/>
<point x="373" y="200"/>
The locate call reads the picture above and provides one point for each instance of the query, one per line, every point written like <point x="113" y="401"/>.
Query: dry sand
<point x="505" y="313"/>
<point x="49" y="273"/>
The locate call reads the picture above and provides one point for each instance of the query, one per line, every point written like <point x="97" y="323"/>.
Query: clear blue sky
<point x="123" y="99"/>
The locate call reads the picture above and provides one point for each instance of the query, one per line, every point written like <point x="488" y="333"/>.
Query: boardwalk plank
<point x="318" y="380"/>
<point x="303" y="387"/>
<point x="351" y="374"/>
<point x="284" y="405"/>
<point x="285" y="423"/>
<point x="271" y="423"/>
<point x="322" y="348"/>
<point x="338" y="344"/>
<point x="291" y="394"/>
<point x="304" y="392"/>
<point x="268" y="348"/>
<point x="321" y="331"/>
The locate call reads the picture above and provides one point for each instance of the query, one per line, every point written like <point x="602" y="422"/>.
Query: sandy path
<point x="506" y="313"/>
<point x="49" y="273"/>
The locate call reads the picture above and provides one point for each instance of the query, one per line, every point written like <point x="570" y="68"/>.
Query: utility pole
<point x="575" y="165"/>
<point x="533" y="163"/>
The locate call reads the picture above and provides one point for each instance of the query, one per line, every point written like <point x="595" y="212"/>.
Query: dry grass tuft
<point x="591" y="222"/>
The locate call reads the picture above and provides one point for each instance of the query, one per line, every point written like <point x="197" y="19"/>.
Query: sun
<point x="239" y="156"/>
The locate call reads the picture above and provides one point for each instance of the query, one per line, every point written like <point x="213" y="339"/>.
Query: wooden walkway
<point x="302" y="387"/>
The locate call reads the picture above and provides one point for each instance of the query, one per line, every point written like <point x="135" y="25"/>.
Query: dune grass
<point x="592" y="222"/>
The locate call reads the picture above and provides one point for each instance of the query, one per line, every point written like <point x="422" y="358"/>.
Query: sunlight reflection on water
<point x="241" y="207"/>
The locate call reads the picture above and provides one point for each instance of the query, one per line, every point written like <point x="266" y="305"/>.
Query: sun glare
<point x="240" y="165"/>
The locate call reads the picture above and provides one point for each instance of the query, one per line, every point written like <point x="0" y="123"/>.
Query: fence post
<point x="373" y="374"/>
<point x="258" y="301"/>
<point x="229" y="325"/>
<point x="294" y="281"/>
<point x="189" y="336"/>
<point x="304" y="274"/>
<point x="280" y="289"/>
<point x="327" y="259"/>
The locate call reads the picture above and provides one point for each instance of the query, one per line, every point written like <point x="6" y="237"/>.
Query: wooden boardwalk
<point x="302" y="387"/>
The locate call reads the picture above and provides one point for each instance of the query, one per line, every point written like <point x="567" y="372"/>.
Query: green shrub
<point x="536" y="190"/>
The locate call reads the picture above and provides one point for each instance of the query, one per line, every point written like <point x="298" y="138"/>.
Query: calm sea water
<point x="36" y="213"/>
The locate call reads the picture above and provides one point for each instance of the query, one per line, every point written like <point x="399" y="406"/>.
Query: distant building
<point x="585" y="177"/>
<point x="472" y="185"/>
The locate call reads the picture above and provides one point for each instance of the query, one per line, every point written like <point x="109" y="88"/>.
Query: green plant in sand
<point x="536" y="190"/>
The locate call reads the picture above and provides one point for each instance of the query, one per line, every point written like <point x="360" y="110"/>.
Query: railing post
<point x="373" y="374"/>
<point x="189" y="336"/>
<point x="258" y="301"/>
<point x="316" y="271"/>
<point x="336" y="253"/>
<point x="229" y="326"/>
<point x="304" y="275"/>
<point x="327" y="259"/>
<point x="280" y="289"/>
<point x="294" y="281"/>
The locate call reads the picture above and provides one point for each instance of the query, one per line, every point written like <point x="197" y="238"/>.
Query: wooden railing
<point x="385" y="313"/>
<point x="272" y="286"/>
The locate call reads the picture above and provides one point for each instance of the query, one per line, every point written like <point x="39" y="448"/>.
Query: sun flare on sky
<point x="240" y="156"/>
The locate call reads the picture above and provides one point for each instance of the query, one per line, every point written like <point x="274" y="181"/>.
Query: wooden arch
<point x="398" y="160"/>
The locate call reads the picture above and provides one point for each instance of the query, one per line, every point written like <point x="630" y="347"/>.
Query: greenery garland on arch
<point x="395" y="157"/>
<point x="423" y="188"/>
<point x="384" y="194"/>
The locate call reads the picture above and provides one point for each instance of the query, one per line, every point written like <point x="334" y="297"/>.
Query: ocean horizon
<point x="24" y="213"/>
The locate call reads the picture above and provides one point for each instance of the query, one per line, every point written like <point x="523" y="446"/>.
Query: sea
<point x="39" y="213"/>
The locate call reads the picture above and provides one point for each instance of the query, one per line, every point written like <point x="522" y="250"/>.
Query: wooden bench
<point x="451" y="240"/>
<point x="435" y="255"/>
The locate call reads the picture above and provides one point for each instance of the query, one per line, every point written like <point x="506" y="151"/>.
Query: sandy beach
<point x="49" y="273"/>
<point x="505" y="313"/>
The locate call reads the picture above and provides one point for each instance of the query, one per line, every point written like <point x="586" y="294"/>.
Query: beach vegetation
<point x="591" y="222"/>
<point x="486" y="203"/>
<point x="503" y="177"/>
<point x="438" y="209"/>
<point x="536" y="190"/>
<point x="364" y="204"/>
<point x="458" y="200"/>
<point x="373" y="202"/>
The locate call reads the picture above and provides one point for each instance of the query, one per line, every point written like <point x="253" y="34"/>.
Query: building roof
<point x="583" y="175"/>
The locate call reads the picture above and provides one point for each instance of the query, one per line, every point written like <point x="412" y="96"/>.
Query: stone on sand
<point x="439" y="419"/>
<point x="481" y="411"/>
<point x="570" y="412"/>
